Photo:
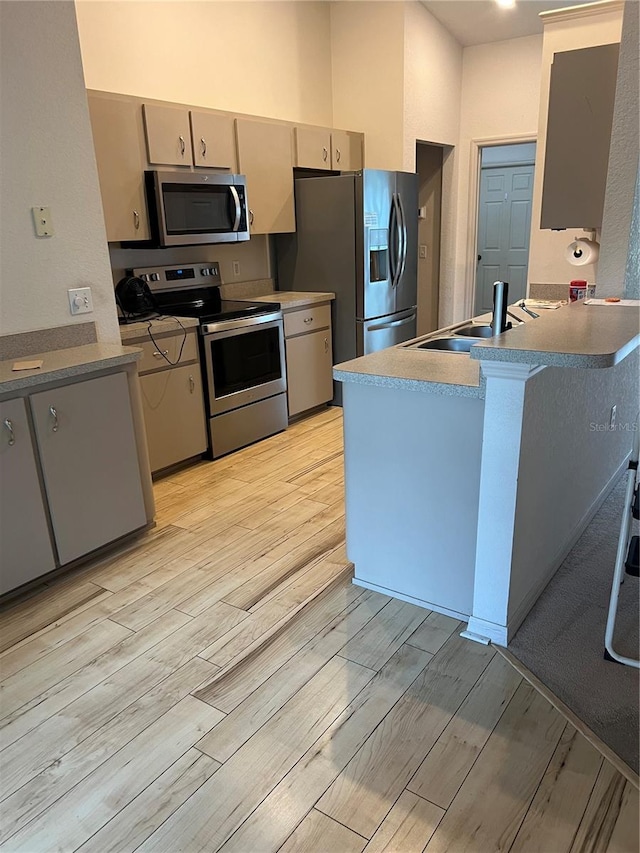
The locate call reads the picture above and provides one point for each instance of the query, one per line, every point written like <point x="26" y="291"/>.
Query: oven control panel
<point x="201" y="274"/>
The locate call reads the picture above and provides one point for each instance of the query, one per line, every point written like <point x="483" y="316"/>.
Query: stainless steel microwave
<point x="189" y="208"/>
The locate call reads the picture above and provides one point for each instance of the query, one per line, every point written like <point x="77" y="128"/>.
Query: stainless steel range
<point x="241" y="349"/>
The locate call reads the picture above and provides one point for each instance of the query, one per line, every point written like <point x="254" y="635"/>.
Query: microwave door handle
<point x="238" y="211"/>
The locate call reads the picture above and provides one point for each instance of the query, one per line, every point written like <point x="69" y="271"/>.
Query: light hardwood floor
<point x="220" y="684"/>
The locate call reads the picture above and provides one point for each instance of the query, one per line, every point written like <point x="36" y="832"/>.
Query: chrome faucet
<point x="500" y="296"/>
<point x="528" y="310"/>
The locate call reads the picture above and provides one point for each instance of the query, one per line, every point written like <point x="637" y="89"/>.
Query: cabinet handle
<point x="203" y="143"/>
<point x="250" y="216"/>
<point x="326" y="344"/>
<point x="308" y="319"/>
<point x="325" y="154"/>
<point x="9" y="428"/>
<point x="54" y="415"/>
<point x="337" y="155"/>
<point x="136" y="220"/>
<point x="182" y="145"/>
<point x="158" y="354"/>
<point x="192" y="384"/>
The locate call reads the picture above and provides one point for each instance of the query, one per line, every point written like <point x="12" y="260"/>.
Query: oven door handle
<point x="238" y="212"/>
<point x="244" y="324"/>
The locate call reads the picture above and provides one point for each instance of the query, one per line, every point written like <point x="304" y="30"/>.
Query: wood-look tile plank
<point x="408" y="826"/>
<point x="317" y="833"/>
<point x="383" y="636"/>
<point x="83" y="810"/>
<point x="601" y="815"/>
<point x="144" y="814"/>
<point x="627" y="827"/>
<point x="244" y="780"/>
<point x="240" y="678"/>
<point x="492" y="802"/>
<point x="434" y="632"/>
<point x="366" y="789"/>
<point x="28" y="615"/>
<point x="62" y="775"/>
<point x="447" y="764"/>
<point x="60" y="732"/>
<point x="562" y="797"/>
<point x="295" y="595"/>
<point x="35" y="679"/>
<point x="297" y="793"/>
<point x="238" y="726"/>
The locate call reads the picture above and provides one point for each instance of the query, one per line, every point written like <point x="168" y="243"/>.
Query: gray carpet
<point x="562" y="639"/>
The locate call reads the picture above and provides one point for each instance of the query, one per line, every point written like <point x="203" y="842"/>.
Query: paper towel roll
<point x="582" y="251"/>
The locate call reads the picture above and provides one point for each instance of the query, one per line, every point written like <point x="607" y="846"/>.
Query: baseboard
<point x="490" y="631"/>
<point x="514" y="622"/>
<point x="569" y="715"/>
<point x="462" y="617"/>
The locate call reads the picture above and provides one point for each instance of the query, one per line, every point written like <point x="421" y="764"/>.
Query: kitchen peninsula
<point x="469" y="476"/>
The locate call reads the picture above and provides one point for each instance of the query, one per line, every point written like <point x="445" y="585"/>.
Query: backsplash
<point x="46" y="340"/>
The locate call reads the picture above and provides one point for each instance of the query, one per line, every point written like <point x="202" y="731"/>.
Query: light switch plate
<point x="42" y="221"/>
<point x="80" y="300"/>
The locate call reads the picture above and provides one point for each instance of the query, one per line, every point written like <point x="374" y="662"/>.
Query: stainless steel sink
<point x="448" y="344"/>
<point x="475" y="331"/>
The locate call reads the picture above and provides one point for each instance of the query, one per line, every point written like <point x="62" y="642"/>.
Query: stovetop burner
<point x="205" y="304"/>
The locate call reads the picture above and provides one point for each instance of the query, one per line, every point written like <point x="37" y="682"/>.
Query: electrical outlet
<point x="42" y="221"/>
<point x="423" y="252"/>
<point x="612" y="417"/>
<point x="236" y="268"/>
<point x="80" y="301"/>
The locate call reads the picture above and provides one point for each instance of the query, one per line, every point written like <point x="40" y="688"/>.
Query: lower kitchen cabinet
<point x="172" y="397"/>
<point x="24" y="530"/>
<point x="71" y="481"/>
<point x="309" y="358"/>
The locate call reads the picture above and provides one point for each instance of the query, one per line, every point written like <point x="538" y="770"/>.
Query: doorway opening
<point x="503" y="221"/>
<point x="429" y="163"/>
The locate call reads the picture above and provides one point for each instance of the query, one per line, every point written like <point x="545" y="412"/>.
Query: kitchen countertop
<point x="576" y="335"/>
<point x="161" y="325"/>
<point x="63" y="364"/>
<point x="452" y="374"/>
<point x="292" y="299"/>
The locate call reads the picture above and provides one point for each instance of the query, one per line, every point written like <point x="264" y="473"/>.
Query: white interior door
<point x="504" y="226"/>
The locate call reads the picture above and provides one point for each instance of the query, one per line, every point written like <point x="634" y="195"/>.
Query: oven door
<point x="244" y="361"/>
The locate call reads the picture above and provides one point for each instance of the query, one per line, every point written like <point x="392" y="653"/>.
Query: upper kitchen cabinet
<point x="581" y="99"/>
<point x="118" y="139"/>
<point x="313" y="147"/>
<point x="168" y="135"/>
<point x="214" y="143"/>
<point x="346" y="150"/>
<point x="265" y="157"/>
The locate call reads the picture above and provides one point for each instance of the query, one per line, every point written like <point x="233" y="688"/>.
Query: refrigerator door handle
<point x="393" y="248"/>
<point x="403" y="322"/>
<point x="403" y="232"/>
<point x="397" y="227"/>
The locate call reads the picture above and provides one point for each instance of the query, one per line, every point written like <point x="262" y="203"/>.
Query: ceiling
<point x="482" y="21"/>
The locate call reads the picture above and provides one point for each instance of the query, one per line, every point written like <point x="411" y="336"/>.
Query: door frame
<point x="471" y="252"/>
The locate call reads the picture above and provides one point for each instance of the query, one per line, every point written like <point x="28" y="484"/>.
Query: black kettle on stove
<point x="135" y="300"/>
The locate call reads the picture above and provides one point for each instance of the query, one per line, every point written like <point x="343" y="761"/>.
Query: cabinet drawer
<point x="169" y="345"/>
<point x="307" y="320"/>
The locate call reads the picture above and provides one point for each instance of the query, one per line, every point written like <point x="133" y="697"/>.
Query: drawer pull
<point x="308" y="319"/>
<point x="136" y="220"/>
<point x="182" y="145"/>
<point x="203" y="143"/>
<point x="54" y="415"/>
<point x="192" y="384"/>
<point x="9" y="428"/>
<point x="326" y="344"/>
<point x="158" y="354"/>
<point x="325" y="154"/>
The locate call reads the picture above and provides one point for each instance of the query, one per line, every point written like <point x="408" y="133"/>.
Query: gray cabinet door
<point x="89" y="461"/>
<point x="26" y="550"/>
<point x="581" y="98"/>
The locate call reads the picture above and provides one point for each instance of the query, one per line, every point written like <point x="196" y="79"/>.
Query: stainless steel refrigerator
<point x="357" y="236"/>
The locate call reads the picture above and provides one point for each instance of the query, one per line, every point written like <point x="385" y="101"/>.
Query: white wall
<point x="262" y="58"/>
<point x="47" y="159"/>
<point x="367" y="45"/>
<point x="547" y="264"/>
<point x="500" y="100"/>
<point x="622" y="174"/>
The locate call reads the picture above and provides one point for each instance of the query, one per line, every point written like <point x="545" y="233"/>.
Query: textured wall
<point x="47" y="159"/>
<point x="262" y="58"/>
<point x="623" y="166"/>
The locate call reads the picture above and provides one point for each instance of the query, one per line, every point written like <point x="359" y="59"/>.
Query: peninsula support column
<point x="501" y="444"/>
